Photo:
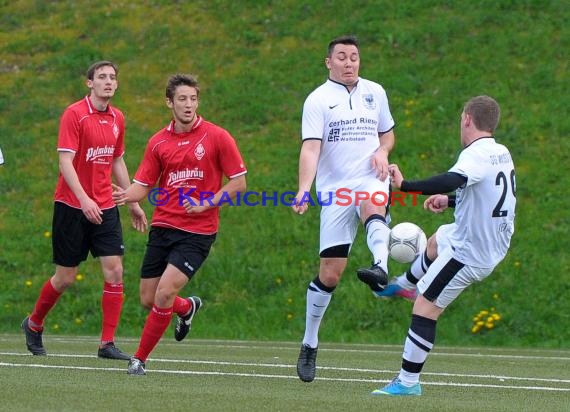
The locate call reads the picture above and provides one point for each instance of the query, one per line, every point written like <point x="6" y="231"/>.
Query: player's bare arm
<point x="121" y="175"/>
<point x="380" y="158"/>
<point x="308" y="160"/>
<point x="134" y="193"/>
<point x="89" y="207"/>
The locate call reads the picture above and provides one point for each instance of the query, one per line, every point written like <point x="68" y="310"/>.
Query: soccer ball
<point x="407" y="240"/>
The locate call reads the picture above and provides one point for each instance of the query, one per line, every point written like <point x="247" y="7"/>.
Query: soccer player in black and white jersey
<point x="465" y="251"/>
<point x="347" y="134"/>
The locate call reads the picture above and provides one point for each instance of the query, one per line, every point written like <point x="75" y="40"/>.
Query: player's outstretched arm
<point x="308" y="160"/>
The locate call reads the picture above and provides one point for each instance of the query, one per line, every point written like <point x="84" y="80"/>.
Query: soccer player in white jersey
<point x="465" y="251"/>
<point x="347" y="134"/>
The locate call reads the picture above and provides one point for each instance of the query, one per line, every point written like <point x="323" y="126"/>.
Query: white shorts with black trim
<point x="340" y="211"/>
<point x="446" y="277"/>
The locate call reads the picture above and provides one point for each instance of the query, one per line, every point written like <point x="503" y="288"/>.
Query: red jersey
<point x="96" y="138"/>
<point x="191" y="163"/>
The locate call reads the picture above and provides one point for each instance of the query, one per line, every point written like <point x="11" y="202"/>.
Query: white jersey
<point x="347" y="123"/>
<point x="485" y="205"/>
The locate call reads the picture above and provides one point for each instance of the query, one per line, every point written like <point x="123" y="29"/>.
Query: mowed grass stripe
<point x="283" y="366"/>
<point x="274" y="376"/>
<point x="256" y="376"/>
<point x="483" y="352"/>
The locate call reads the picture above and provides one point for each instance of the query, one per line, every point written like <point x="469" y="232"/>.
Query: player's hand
<point x="119" y="195"/>
<point x="396" y="176"/>
<point x="195" y="206"/>
<point x="138" y="217"/>
<point x="436" y="203"/>
<point x="300" y="206"/>
<point x="380" y="164"/>
<point x="91" y="210"/>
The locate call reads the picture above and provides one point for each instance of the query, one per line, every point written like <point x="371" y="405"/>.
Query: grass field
<point x="224" y="375"/>
<point x="257" y="61"/>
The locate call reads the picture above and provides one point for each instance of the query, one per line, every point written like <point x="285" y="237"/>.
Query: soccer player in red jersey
<point x="187" y="161"/>
<point x="90" y="147"/>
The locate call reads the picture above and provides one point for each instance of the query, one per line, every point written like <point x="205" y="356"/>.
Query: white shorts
<point x="446" y="278"/>
<point x="340" y="211"/>
<point x="442" y="237"/>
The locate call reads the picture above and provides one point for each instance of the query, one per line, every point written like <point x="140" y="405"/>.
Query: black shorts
<point x="73" y="236"/>
<point x="184" y="250"/>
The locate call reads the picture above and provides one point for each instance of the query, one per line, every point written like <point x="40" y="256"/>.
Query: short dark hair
<point x="97" y="65"/>
<point x="181" y="80"/>
<point x="350" y="39"/>
<point x="484" y="111"/>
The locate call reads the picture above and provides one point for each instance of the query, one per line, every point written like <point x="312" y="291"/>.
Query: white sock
<point x="417" y="271"/>
<point x="419" y="342"/>
<point x="317" y="303"/>
<point x="377" y="235"/>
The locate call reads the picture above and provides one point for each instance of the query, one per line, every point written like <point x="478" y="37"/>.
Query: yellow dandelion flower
<point x="480" y="323"/>
<point x="423" y="156"/>
<point x="489" y="325"/>
<point x="496" y="316"/>
<point x="289" y="301"/>
<point x="55" y="327"/>
<point x="474" y="329"/>
<point x="79" y="277"/>
<point x="490" y="319"/>
<point x="28" y="283"/>
<point x="289" y="316"/>
<point x="278" y="281"/>
<point x="483" y="313"/>
<point x="78" y="321"/>
<point x="517" y="264"/>
<point x="495" y="296"/>
<point x="47" y="233"/>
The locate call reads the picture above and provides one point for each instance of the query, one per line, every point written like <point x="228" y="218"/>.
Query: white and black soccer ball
<point x="407" y="240"/>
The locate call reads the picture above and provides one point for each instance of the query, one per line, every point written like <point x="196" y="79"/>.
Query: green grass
<point x="223" y="375"/>
<point x="257" y="61"/>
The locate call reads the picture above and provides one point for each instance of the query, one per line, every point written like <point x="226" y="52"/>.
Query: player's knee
<point x="432" y="247"/>
<point x="147" y="301"/>
<point x="63" y="278"/>
<point x="62" y="284"/>
<point x="164" y="296"/>
<point x="114" y="273"/>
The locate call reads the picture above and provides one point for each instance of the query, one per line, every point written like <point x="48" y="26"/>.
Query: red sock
<point x="47" y="300"/>
<point x="156" y="323"/>
<point x="181" y="306"/>
<point x="111" y="305"/>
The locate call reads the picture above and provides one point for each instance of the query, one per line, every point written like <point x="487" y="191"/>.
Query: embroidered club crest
<point x="368" y="101"/>
<point x="200" y="151"/>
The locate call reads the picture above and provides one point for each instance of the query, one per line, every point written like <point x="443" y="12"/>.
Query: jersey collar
<point x="93" y="110"/>
<point x="197" y="124"/>
<point x="479" y="138"/>
<point x="344" y="85"/>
